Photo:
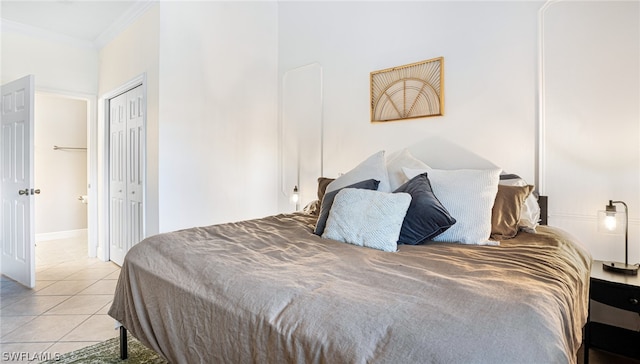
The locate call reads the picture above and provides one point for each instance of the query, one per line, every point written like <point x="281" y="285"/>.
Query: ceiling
<point x="81" y="20"/>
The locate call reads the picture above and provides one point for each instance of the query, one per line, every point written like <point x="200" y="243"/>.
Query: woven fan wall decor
<point x="410" y="91"/>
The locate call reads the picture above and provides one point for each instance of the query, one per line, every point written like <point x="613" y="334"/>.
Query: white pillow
<point x="468" y="195"/>
<point x="396" y="161"/>
<point x="530" y="212"/>
<point x="373" y="167"/>
<point x="367" y="218"/>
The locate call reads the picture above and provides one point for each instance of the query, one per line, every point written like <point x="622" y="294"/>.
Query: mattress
<point x="270" y="291"/>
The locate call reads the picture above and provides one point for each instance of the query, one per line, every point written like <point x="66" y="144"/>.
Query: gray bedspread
<point x="270" y="291"/>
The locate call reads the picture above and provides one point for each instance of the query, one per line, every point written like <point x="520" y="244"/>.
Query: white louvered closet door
<point x="126" y="152"/>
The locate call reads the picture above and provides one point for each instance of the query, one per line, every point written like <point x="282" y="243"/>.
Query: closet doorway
<point x="61" y="167"/>
<point x="126" y="151"/>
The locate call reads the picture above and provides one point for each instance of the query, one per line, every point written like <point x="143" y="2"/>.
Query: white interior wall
<point x="132" y="53"/>
<point x="491" y="68"/>
<point x="300" y="136"/>
<point x="61" y="175"/>
<point x="489" y="51"/>
<point x="56" y="65"/>
<point x="592" y="119"/>
<point x="218" y="112"/>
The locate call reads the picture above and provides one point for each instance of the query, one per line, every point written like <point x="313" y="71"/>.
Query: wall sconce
<point x="295" y="197"/>
<point x="609" y="221"/>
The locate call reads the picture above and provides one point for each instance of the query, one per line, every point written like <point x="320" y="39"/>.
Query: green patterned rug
<point x="109" y="352"/>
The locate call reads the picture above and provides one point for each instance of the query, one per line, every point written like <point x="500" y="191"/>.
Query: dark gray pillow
<point x="426" y="217"/>
<point x="327" y="201"/>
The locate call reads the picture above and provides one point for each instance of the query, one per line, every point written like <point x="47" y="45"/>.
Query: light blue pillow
<point x="367" y="218"/>
<point x="327" y="201"/>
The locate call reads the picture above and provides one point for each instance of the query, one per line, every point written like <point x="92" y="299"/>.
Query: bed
<point x="271" y="290"/>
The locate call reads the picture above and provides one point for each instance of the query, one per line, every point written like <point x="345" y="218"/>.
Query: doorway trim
<point x="102" y="160"/>
<point x="92" y="161"/>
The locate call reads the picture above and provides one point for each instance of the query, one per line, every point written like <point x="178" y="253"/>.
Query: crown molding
<point x="123" y="22"/>
<point x="36" y="32"/>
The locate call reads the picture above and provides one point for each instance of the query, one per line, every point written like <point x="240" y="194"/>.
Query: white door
<point x="117" y="185"/>
<point x="135" y="152"/>
<point x="17" y="232"/>
<point x="126" y="153"/>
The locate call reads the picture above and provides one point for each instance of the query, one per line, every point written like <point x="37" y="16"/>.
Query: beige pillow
<point x="323" y="182"/>
<point x="313" y="207"/>
<point x="506" y="210"/>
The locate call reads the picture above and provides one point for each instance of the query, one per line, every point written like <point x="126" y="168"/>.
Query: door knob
<point x="35" y="192"/>
<point x="24" y="192"/>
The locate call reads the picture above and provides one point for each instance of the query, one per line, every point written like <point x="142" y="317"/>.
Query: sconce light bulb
<point x="296" y="195"/>
<point x="610" y="222"/>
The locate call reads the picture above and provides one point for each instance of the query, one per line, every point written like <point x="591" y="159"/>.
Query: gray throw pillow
<point x="426" y="217"/>
<point x="327" y="201"/>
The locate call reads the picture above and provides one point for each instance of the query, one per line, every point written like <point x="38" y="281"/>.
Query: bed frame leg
<point x="123" y="343"/>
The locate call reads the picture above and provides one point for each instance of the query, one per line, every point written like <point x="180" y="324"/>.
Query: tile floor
<point x="67" y="310"/>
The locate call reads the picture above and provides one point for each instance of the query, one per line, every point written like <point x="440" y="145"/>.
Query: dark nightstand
<point x="620" y="291"/>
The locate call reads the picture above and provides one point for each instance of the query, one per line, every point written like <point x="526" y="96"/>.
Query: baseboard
<point x="102" y="254"/>
<point x="57" y="235"/>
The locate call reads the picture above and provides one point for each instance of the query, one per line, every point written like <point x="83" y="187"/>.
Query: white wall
<point x="56" y="65"/>
<point x="61" y="175"/>
<point x="490" y="60"/>
<point x="218" y="112"/>
<point x="133" y="52"/>
<point x="300" y="136"/>
<point x="211" y="72"/>
<point x="592" y="118"/>
<point x="489" y="52"/>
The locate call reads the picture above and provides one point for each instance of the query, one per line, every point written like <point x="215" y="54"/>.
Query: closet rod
<point x="55" y="147"/>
